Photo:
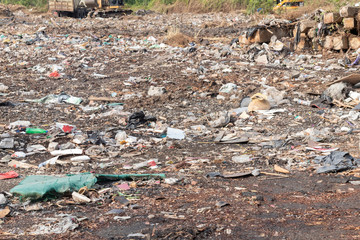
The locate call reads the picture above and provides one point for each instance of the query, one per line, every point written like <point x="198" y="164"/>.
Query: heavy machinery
<point x="288" y="4"/>
<point x="84" y="8"/>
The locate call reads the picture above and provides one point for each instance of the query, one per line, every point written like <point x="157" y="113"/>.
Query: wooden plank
<point x="351" y="79"/>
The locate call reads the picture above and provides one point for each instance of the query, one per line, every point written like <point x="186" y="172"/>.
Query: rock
<point x="222" y="120"/>
<point x="2" y="199"/>
<point x="220" y="97"/>
<point x="3" y="88"/>
<point x="245" y="102"/>
<point x="115" y="211"/>
<point x="306" y="25"/>
<point x="340" y="42"/>
<point x="156" y="91"/>
<point x="332" y="18"/>
<point x="228" y="88"/>
<point x="171" y="181"/>
<point x="53" y="146"/>
<point x="221" y="204"/>
<point x="277" y="45"/>
<point x="354" y="42"/>
<point x="262" y="59"/>
<point x="337" y="91"/>
<point x="242" y="159"/>
<point x="349" y="23"/>
<point x="348" y="12"/>
<point x="255" y="172"/>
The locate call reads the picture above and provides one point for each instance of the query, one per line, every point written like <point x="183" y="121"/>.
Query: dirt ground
<point x="120" y="59"/>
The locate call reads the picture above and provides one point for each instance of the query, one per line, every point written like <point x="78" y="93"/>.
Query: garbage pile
<point x="108" y="129"/>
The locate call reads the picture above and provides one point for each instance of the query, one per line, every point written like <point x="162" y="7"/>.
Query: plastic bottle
<point x="35" y="131"/>
<point x="302" y="102"/>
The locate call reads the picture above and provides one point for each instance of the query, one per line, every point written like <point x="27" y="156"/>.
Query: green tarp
<point x="38" y="186"/>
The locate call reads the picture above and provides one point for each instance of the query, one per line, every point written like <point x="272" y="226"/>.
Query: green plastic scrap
<point x="38" y="186"/>
<point x="114" y="177"/>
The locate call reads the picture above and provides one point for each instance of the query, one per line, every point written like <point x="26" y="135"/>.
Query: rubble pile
<point x="318" y="31"/>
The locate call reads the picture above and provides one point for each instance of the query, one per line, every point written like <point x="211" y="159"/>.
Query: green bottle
<point x="35" y="131"/>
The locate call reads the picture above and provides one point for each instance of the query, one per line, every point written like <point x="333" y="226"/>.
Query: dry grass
<point x="176" y="38"/>
<point x="197" y="6"/>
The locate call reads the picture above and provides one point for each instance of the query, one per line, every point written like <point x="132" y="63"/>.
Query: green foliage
<point x="337" y="4"/>
<point x="41" y="4"/>
<point x="261" y="6"/>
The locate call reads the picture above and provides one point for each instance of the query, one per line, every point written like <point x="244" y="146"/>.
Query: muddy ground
<point x="120" y="58"/>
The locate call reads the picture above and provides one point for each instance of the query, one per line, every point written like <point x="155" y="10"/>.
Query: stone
<point x="261" y="36"/>
<point x="332" y="18"/>
<point x="53" y="146"/>
<point x="2" y="199"/>
<point x="349" y="23"/>
<point x="228" y="88"/>
<point x="354" y="42"/>
<point x="311" y="33"/>
<point x="156" y="91"/>
<point x="262" y="59"/>
<point x="306" y="25"/>
<point x="348" y="11"/>
<point x="340" y="42"/>
<point x="336" y="91"/>
<point x="171" y="181"/>
<point x="329" y="42"/>
<point x="3" y="88"/>
<point x="241" y="159"/>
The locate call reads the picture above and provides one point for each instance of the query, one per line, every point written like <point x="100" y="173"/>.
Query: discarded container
<point x="302" y="102"/>
<point x="35" y="131"/>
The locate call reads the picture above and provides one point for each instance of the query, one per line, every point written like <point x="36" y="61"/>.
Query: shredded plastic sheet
<point x="38" y="186"/>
